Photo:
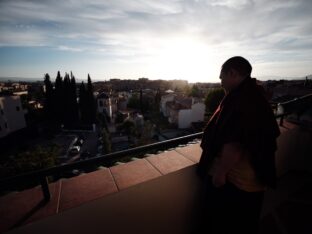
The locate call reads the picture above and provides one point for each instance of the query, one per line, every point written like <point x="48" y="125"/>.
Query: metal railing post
<point x="45" y="188"/>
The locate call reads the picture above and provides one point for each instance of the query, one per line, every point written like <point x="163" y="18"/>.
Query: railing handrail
<point x="299" y="99"/>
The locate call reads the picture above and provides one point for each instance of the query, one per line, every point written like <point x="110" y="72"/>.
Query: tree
<point x="107" y="146"/>
<point x="83" y="103"/>
<point x="134" y="102"/>
<point x="70" y="100"/>
<point x="91" y="102"/>
<point x="213" y="99"/>
<point x="146" y="135"/>
<point x="49" y="96"/>
<point x="195" y="92"/>
<point x="32" y="159"/>
<point x="73" y="101"/>
<point x="119" y="118"/>
<point x="139" y="102"/>
<point x="128" y="126"/>
<point x="59" y="107"/>
<point x="157" y="100"/>
<point x="67" y="120"/>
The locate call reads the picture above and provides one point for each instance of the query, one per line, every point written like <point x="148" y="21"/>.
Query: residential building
<point x="104" y="104"/>
<point x="188" y="116"/>
<point x="184" y="111"/>
<point x="11" y="114"/>
<point x="107" y="104"/>
<point x="163" y="101"/>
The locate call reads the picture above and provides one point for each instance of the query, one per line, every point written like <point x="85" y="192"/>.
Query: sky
<point x="157" y="39"/>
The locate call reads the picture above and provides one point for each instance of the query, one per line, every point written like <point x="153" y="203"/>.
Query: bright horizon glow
<point x="185" y="57"/>
<point x="156" y="39"/>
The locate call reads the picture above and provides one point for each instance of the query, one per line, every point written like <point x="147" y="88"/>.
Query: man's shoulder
<point x="251" y="99"/>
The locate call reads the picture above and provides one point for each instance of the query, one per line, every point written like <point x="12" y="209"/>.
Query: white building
<point x="187" y="116"/>
<point x="12" y="116"/>
<point x="185" y="111"/>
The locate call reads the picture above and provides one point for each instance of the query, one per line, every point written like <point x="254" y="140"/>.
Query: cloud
<point x="66" y="48"/>
<point x="119" y="30"/>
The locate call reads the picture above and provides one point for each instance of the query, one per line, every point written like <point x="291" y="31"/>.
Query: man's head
<point x="234" y="71"/>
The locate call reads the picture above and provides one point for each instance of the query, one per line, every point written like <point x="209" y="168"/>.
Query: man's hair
<point x="238" y="63"/>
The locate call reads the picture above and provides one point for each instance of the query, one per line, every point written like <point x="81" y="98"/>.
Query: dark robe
<point x="244" y="116"/>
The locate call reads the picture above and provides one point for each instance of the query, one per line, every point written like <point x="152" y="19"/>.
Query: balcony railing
<point x="41" y="176"/>
<point x="107" y="159"/>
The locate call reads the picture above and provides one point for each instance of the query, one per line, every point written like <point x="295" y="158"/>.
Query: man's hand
<point x="231" y="153"/>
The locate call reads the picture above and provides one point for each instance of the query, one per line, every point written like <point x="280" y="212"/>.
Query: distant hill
<point x="23" y="79"/>
<point x="16" y="79"/>
<point x="263" y="78"/>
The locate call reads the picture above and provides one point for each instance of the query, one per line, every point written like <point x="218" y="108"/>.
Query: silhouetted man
<point x="237" y="163"/>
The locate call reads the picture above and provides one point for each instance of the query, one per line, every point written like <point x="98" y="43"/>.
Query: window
<point x="17" y="108"/>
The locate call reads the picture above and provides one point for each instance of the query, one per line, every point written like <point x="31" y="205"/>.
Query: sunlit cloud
<point x="158" y="38"/>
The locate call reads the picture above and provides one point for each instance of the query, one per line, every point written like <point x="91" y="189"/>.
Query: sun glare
<point x="186" y="59"/>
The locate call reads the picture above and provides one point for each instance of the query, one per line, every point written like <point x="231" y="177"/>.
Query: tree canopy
<point x="61" y="105"/>
<point x="213" y="99"/>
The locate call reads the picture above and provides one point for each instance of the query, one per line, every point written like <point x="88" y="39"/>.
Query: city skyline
<point x="186" y="40"/>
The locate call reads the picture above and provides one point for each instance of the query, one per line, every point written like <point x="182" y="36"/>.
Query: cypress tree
<point x="74" y="104"/>
<point x="48" y="100"/>
<point x="83" y="104"/>
<point x="107" y="146"/>
<point x="59" y="99"/>
<point x="91" y="102"/>
<point x="67" y="101"/>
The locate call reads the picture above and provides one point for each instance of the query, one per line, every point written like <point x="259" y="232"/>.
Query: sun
<point x="188" y="59"/>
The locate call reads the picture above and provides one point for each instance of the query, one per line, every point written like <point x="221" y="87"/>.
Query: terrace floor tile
<point x="169" y="161"/>
<point x="134" y="172"/>
<point x="192" y="152"/>
<point x="80" y="189"/>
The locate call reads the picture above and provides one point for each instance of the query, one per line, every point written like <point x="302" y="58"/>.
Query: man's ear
<point x="233" y="73"/>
